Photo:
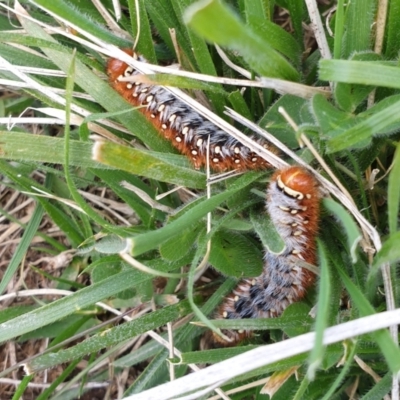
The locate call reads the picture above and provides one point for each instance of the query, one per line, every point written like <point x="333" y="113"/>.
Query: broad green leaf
<point x="275" y="123"/>
<point x="217" y="23"/>
<point x="234" y="254"/>
<point x="267" y="232"/>
<point x="179" y="245"/>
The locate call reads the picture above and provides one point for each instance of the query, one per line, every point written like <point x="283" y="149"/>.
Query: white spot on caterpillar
<point x="128" y="71"/>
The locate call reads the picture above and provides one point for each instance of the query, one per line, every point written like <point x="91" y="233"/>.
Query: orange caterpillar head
<point x="115" y="68"/>
<point x="297" y="182"/>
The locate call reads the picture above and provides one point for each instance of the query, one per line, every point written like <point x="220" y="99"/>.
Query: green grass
<point x="353" y="125"/>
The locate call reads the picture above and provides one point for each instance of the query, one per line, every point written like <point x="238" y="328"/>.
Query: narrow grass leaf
<point x="22" y="247"/>
<point x="144" y="380"/>
<point x="321" y="322"/>
<point x="361" y="72"/>
<point x="25" y="147"/>
<point x="380" y="390"/>
<point x="82" y="19"/>
<point x="394" y="193"/>
<point x="101" y="91"/>
<point x="145" y="45"/>
<point x="382" y="337"/>
<point x="393" y="30"/>
<point x="351" y="229"/>
<point x="360" y="16"/>
<point x="381" y="121"/>
<point x="65" y="306"/>
<point x="145" y="163"/>
<point x="390" y="251"/>
<point x="111" y="337"/>
<point x="350" y="348"/>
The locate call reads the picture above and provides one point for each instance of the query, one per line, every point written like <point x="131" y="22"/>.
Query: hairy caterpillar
<point x="293" y="204"/>
<point x="292" y="200"/>
<point x="187" y="130"/>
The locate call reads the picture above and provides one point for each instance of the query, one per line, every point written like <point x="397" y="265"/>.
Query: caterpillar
<point x="293" y="204"/>
<point x="292" y="200"/>
<point x="187" y="130"/>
